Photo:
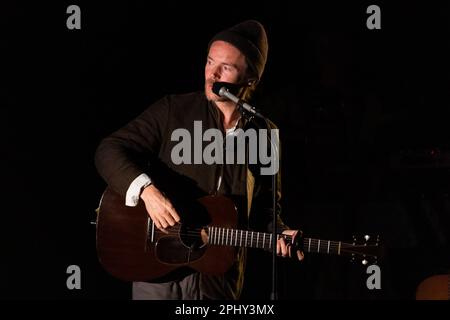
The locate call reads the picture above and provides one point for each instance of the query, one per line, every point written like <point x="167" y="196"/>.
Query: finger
<point x="278" y="247"/>
<point x="164" y="230"/>
<point x="168" y="218"/>
<point x="293" y="236"/>
<point x="156" y="218"/>
<point x="163" y="221"/>
<point x="160" y="211"/>
<point x="283" y="247"/>
<point x="300" y="255"/>
<point x="156" y="222"/>
<point x="171" y="210"/>
<point x="174" y="216"/>
<point x="162" y="226"/>
<point x="160" y="222"/>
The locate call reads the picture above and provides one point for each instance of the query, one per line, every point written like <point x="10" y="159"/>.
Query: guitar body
<point x="131" y="249"/>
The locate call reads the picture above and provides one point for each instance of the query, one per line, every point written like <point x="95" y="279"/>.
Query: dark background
<point x="363" y="118"/>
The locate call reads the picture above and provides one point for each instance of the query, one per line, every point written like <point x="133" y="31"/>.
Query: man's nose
<point x="216" y="73"/>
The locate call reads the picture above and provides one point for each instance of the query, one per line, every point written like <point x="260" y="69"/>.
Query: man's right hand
<point x="159" y="208"/>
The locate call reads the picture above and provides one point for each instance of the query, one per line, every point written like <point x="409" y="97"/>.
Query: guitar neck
<point x="253" y="239"/>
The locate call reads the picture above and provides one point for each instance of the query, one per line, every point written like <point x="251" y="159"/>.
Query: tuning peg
<point x="364" y="262"/>
<point x="366" y="237"/>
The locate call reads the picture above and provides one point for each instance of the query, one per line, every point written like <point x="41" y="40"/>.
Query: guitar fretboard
<point x="253" y="239"/>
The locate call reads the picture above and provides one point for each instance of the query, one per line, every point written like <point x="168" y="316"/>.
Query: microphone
<point x="225" y="89"/>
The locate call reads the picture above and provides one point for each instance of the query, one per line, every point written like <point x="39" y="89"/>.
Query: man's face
<point x="224" y="63"/>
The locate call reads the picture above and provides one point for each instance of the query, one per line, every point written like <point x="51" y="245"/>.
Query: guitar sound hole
<point x="192" y="237"/>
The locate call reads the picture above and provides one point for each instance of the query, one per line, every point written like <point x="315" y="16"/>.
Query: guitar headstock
<point x="367" y="249"/>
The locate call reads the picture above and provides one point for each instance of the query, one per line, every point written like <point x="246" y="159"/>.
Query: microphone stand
<point x="250" y="117"/>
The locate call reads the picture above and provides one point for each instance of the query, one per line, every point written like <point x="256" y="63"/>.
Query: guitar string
<point x="196" y="232"/>
<point x="260" y="243"/>
<point x="334" y="245"/>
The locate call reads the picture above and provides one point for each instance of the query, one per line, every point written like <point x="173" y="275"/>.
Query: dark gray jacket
<point x="144" y="145"/>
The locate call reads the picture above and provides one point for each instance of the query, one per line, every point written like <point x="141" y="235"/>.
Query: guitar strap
<point x="250" y="187"/>
<point x="250" y="181"/>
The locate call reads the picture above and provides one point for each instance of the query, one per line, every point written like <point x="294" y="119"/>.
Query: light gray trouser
<point x="192" y="287"/>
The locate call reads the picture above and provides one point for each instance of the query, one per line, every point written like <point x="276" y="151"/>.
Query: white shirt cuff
<point x="135" y="188"/>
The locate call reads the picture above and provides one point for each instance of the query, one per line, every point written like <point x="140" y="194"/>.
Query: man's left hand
<point x="284" y="248"/>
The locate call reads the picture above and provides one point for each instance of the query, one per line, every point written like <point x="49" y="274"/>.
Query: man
<point x="137" y="162"/>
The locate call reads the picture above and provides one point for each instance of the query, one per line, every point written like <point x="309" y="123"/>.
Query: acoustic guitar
<point x="131" y="248"/>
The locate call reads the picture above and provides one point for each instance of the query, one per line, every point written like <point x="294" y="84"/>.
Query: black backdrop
<point x="362" y="115"/>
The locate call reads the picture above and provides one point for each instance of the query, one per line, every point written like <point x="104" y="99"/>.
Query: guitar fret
<point x="309" y="245"/>
<point x="236" y="238"/>
<point x="257" y="239"/>
<point x="231" y="238"/>
<point x="339" y="248"/>
<point x="251" y="241"/>
<point x="264" y="240"/>
<point x="217" y="235"/>
<point x="328" y="249"/>
<point x="226" y="240"/>
<point x="223" y="236"/>
<point x="241" y="239"/>
<point x="210" y="235"/>
<point x="270" y="239"/>
<point x="246" y="237"/>
<point x="318" y="246"/>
